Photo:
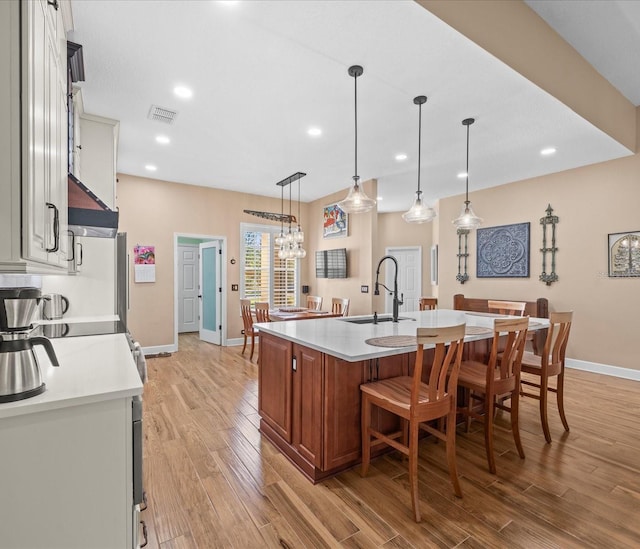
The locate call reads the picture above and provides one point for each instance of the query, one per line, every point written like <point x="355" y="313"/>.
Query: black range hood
<point x="88" y="215"/>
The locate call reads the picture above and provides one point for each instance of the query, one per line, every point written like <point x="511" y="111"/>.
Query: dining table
<point x="299" y="313"/>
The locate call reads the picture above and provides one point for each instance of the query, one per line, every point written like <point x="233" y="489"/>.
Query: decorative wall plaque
<point x="463" y="235"/>
<point x="624" y="254"/>
<point x="503" y="252"/>
<point x="545" y="221"/>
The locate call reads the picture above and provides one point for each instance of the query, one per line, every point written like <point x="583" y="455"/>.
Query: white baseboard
<point x="606" y="369"/>
<point x="237" y="341"/>
<point x="159" y="349"/>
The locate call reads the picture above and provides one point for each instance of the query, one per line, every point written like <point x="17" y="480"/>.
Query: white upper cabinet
<point x="33" y="137"/>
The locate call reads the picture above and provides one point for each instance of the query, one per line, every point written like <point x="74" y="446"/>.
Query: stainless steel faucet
<point x="396" y="302"/>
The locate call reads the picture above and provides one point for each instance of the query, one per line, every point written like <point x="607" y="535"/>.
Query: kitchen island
<point x="311" y="372"/>
<point x="66" y="459"/>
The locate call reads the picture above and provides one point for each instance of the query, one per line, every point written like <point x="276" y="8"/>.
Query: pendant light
<point x="419" y="212"/>
<point x="298" y="236"/>
<point x="357" y="201"/>
<point x="467" y="219"/>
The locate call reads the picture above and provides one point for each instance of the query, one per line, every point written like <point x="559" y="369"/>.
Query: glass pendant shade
<point x="298" y="235"/>
<point x="279" y="240"/>
<point x="467" y="219"/>
<point x="357" y="200"/>
<point x="419" y="212"/>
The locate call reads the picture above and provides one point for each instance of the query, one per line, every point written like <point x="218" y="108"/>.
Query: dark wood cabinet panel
<point x="341" y="435"/>
<point x="307" y="404"/>
<point x="275" y="384"/>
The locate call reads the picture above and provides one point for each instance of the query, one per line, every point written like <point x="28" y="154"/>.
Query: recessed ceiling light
<point x="314" y="132"/>
<point x="150" y="168"/>
<point x="400" y="157"/>
<point x="462" y="175"/>
<point x="163" y="139"/>
<point x="378" y="198"/>
<point x="183" y="92"/>
<point x="547" y="151"/>
<point x="228" y="2"/>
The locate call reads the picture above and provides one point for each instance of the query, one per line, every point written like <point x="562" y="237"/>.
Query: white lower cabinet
<point x="67" y="478"/>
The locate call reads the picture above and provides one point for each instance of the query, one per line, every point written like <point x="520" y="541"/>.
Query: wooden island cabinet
<point x="310" y="372"/>
<point x="309" y="403"/>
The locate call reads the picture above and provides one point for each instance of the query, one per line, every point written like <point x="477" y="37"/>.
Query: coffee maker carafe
<point x="20" y="375"/>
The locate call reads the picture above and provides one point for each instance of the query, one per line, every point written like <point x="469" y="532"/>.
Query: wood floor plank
<point x="213" y="480"/>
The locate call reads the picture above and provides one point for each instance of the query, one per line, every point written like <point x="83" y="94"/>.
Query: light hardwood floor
<point x="213" y="481"/>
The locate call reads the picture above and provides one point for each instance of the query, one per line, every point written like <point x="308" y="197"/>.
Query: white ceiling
<point x="263" y="72"/>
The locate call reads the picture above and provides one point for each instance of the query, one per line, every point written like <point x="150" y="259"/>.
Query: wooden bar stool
<point x="513" y="308"/>
<point x="262" y="312"/>
<point x="416" y="402"/>
<point x="496" y="381"/>
<point x="549" y="364"/>
<point x="428" y="303"/>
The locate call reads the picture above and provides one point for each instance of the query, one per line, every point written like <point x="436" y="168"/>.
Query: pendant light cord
<point x="419" y="144"/>
<point x="281" y="210"/>
<point x="467" y="192"/>
<point x="298" y="203"/>
<point x="355" y="101"/>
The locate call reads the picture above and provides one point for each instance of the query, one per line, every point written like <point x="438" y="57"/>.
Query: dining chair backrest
<point x="513" y="308"/>
<point x="443" y="378"/>
<point x="314" y="302"/>
<point x="247" y="317"/>
<point x="340" y="305"/>
<point x="428" y="303"/>
<point x="262" y="312"/>
<point x="506" y="357"/>
<point x="555" y="345"/>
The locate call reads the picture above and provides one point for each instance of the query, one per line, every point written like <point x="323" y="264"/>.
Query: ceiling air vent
<point x="161" y="114"/>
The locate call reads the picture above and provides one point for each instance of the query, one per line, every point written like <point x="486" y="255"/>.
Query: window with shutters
<point x="264" y="277"/>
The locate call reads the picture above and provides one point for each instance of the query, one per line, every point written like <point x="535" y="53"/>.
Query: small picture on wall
<point x="624" y="254"/>
<point x="503" y="252"/>
<point x="335" y="222"/>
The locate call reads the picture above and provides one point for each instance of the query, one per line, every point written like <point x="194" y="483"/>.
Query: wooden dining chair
<point x="340" y="305"/>
<point x="549" y="364"/>
<point x="262" y="311"/>
<point x="314" y="303"/>
<point x="513" y="308"/>
<point x="247" y="321"/>
<point x="428" y="303"/>
<point x="496" y="381"/>
<point x="417" y="402"/>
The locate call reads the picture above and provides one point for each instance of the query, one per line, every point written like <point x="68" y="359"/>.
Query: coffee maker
<point x="20" y="375"/>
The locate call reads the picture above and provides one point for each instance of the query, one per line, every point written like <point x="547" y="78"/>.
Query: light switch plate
<point x="234" y="287"/>
<point x="364" y="289"/>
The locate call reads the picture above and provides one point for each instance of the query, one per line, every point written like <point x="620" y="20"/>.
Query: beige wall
<point x="359" y="245"/>
<point x="590" y="202"/>
<point x="151" y="212"/>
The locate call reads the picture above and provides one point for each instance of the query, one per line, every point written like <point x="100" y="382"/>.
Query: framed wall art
<point x="624" y="254"/>
<point x="503" y="252"/>
<point x="335" y="222"/>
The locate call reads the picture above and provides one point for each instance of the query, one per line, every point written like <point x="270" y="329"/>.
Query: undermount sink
<point x="371" y="320"/>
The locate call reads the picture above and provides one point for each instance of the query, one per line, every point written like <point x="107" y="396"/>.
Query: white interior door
<point x="210" y="292"/>
<point x="188" y="288"/>
<point x="409" y="277"/>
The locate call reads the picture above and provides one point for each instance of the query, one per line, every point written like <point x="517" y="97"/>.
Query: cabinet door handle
<point x="73" y="246"/>
<point x="56" y="228"/>
<point x="144" y="534"/>
<point x="294" y="364"/>
<point x="53" y="3"/>
<point x="79" y="254"/>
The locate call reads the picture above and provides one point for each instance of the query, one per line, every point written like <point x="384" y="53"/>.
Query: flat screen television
<point x="331" y="263"/>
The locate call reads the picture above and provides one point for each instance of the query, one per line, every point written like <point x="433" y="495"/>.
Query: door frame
<point x="389" y="250"/>
<point x="223" y="283"/>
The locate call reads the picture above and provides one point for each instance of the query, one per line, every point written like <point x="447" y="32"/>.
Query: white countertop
<point x="92" y="369"/>
<point x="346" y="340"/>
